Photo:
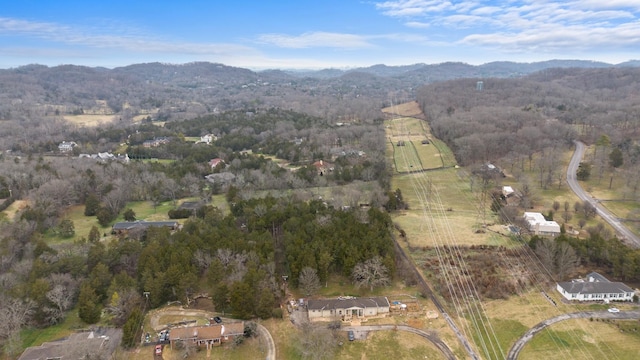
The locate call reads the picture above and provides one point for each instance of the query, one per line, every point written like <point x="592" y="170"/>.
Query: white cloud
<point x="525" y="25"/>
<point x="316" y="39"/>
<point x="417" y="24"/>
<point x="403" y="8"/>
<point x="111" y="38"/>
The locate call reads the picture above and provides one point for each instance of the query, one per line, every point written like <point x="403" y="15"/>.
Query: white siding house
<point x="595" y="288"/>
<point x="66" y="146"/>
<point x="540" y="226"/>
<point x="346" y="309"/>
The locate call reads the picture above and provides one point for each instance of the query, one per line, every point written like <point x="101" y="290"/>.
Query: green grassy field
<point x="33" y="336"/>
<point x="580" y="338"/>
<point x="385" y="345"/>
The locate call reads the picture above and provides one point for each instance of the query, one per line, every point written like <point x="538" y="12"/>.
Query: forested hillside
<point x="518" y="117"/>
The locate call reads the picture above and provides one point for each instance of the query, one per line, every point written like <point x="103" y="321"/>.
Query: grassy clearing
<point x="81" y="223"/>
<point x="14" y="208"/>
<point x="34" y="337"/>
<point x="145" y="210"/>
<point x="386" y="345"/>
<point x="411" y="109"/>
<point x="453" y="211"/>
<point x="580" y="337"/>
<point x="89" y="120"/>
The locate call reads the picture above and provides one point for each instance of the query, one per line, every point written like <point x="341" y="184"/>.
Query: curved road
<point x="518" y="345"/>
<point x="271" y="346"/>
<point x="427" y="335"/>
<point x="625" y="234"/>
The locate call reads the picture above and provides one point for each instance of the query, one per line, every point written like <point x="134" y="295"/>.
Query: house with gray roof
<point x="126" y="226"/>
<point x="595" y="287"/>
<point x="101" y="343"/>
<point x="347" y="308"/>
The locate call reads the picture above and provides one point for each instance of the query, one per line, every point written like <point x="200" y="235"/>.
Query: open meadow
<point x="90" y="120"/>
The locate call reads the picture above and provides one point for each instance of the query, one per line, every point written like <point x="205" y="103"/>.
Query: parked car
<point x="351" y="335"/>
<point x="158" y="350"/>
<point x="217" y="319"/>
<point x="164" y="335"/>
<point x="614" y="310"/>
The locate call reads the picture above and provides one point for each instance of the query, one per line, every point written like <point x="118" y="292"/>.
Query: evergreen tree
<point x="94" y="235"/>
<point x="129" y="215"/>
<point x="131" y="330"/>
<point x="91" y="205"/>
<point x="66" y="228"/>
<point x="615" y="158"/>
<point x="88" y="304"/>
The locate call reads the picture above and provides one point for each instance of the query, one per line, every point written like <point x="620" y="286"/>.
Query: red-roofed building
<point x="212" y="335"/>
<point x="215" y="162"/>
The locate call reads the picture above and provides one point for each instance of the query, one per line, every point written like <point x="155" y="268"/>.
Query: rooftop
<point x="347" y="303"/>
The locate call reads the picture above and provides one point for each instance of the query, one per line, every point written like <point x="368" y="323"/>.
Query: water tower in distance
<point x="479" y="85"/>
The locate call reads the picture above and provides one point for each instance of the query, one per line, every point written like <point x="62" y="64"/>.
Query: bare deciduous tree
<point x="316" y="343"/>
<point x="308" y="281"/>
<point x="559" y="258"/>
<point x="371" y="273"/>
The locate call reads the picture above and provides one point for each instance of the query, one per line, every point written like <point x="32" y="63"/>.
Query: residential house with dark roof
<point x="595" y="287"/>
<point x="126" y="226"/>
<point x="98" y="344"/>
<point x="347" y="308"/>
<point x="157" y="141"/>
<point x="209" y="336"/>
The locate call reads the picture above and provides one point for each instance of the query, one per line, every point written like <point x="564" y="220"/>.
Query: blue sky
<point x="309" y="34"/>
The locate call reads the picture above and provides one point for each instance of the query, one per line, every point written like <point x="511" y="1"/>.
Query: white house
<point x="540" y="226"/>
<point x="507" y="191"/>
<point x="207" y="139"/>
<point x="347" y="308"/>
<point x="66" y="146"/>
<point x="595" y="288"/>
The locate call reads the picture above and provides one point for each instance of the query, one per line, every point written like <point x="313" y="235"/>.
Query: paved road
<point x="425" y="334"/>
<point x="518" y="345"/>
<point x="625" y="234"/>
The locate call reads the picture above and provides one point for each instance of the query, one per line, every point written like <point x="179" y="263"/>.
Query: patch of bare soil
<point x="409" y="109"/>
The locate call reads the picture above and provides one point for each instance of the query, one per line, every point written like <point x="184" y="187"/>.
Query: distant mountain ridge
<point x="178" y="91"/>
<point x="491" y="69"/>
